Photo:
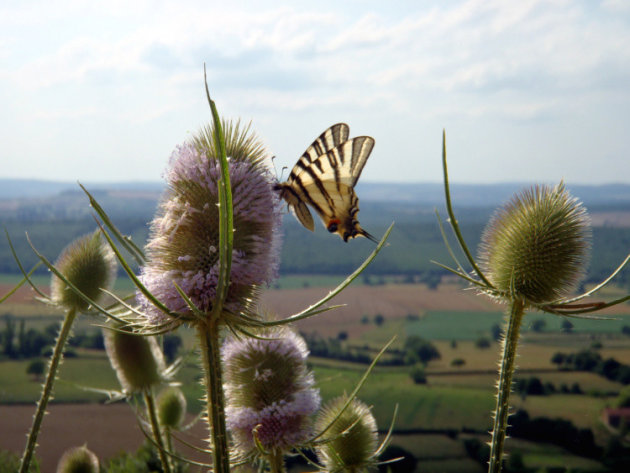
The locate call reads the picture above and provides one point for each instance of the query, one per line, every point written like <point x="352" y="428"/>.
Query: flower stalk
<point x="506" y="372"/>
<point x="215" y="400"/>
<point x="149" y="401"/>
<point x="55" y="361"/>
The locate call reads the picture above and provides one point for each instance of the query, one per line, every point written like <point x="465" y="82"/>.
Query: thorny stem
<point x="155" y="428"/>
<point x="215" y="401"/>
<point x="55" y="361"/>
<point x="505" y="383"/>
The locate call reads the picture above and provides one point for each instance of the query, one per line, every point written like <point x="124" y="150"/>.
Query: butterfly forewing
<point x="329" y="139"/>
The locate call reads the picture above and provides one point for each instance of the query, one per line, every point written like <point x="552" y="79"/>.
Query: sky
<point x="527" y="91"/>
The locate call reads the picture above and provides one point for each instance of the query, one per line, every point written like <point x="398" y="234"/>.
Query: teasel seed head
<point x="78" y="460"/>
<point x="350" y="444"/>
<point x="269" y="391"/>
<point x="90" y="265"/>
<point x="184" y="243"/>
<point x="537" y="245"/>
<point x="137" y="360"/>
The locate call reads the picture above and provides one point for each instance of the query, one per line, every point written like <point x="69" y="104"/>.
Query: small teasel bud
<point x="90" y="265"/>
<point x="136" y="359"/>
<point x="171" y="407"/>
<point x="183" y="247"/>
<point x="78" y="460"/>
<point x="537" y="245"/>
<point x="269" y="391"/>
<point x="350" y="444"/>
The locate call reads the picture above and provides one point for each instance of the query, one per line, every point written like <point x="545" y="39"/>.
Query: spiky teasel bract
<point x="183" y="248"/>
<point x="269" y="390"/>
<point x="350" y="444"/>
<point x="87" y="263"/>
<point x="137" y="360"/>
<point x="536" y="246"/>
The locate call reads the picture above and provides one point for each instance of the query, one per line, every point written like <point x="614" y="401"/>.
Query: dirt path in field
<point x="106" y="429"/>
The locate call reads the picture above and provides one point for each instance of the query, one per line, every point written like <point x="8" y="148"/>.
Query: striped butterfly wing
<point x="327" y="182"/>
<point x="293" y="194"/>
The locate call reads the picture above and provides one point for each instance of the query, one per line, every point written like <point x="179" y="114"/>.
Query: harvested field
<point x="106" y="429"/>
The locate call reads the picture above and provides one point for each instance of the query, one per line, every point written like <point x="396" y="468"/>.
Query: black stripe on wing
<point x="329" y="139"/>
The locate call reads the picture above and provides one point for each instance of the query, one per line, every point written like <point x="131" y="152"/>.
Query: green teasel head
<point x="78" y="460"/>
<point x="536" y="247"/>
<point x="137" y="360"/>
<point x="87" y="263"/>
<point x="350" y="444"/>
<point x="171" y="407"/>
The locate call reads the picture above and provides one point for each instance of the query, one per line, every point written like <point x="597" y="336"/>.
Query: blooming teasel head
<point x="350" y="443"/>
<point x="269" y="391"/>
<point x="536" y="246"/>
<point x="89" y="265"/>
<point x="183" y="248"/>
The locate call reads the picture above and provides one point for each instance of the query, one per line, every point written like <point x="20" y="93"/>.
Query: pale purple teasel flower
<point x="183" y="248"/>
<point x="269" y="390"/>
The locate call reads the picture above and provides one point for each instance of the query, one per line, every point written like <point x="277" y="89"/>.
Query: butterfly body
<point x="324" y="178"/>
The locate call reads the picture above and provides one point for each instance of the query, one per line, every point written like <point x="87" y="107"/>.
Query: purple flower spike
<point x="183" y="248"/>
<point x="269" y="391"/>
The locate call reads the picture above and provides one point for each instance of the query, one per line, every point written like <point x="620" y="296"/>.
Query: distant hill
<point x="421" y="193"/>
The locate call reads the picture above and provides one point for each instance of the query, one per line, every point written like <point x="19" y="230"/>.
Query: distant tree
<point x="413" y="317"/>
<point x="623" y="399"/>
<point x="596" y="345"/>
<point x="7" y="336"/>
<point x="539" y="325"/>
<point x="342" y="336"/>
<point x="407" y="464"/>
<point x="36" y="368"/>
<point x="418" y="375"/>
<point x="576" y="389"/>
<point x="458" y="362"/>
<point x="496" y="332"/>
<point x="625" y="330"/>
<point x="170" y="345"/>
<point x="559" y="359"/>
<point x="482" y="342"/>
<point x="379" y="319"/>
<point x="453" y="344"/>
<point x="420" y="350"/>
<point x="365" y="320"/>
<point x="566" y="326"/>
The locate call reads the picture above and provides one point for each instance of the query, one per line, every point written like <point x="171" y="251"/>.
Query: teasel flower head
<point x="536" y="247"/>
<point x="351" y="442"/>
<point x="87" y="263"/>
<point x="269" y="390"/>
<point x="171" y="407"/>
<point x="78" y="460"/>
<point x="137" y="360"/>
<point x="183" y="248"/>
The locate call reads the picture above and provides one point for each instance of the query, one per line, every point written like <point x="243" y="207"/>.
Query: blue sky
<point x="527" y="90"/>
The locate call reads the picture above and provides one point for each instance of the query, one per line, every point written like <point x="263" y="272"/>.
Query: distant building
<point x="616" y="417"/>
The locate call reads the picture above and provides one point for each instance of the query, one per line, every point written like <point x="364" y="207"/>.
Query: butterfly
<point x="324" y="178"/>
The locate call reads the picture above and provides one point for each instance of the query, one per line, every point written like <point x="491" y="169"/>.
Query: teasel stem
<point x="215" y="400"/>
<point x="508" y="364"/>
<point x="155" y="428"/>
<point x="55" y="361"/>
<point x="276" y="461"/>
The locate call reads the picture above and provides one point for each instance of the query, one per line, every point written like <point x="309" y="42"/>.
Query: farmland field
<point x="454" y="397"/>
